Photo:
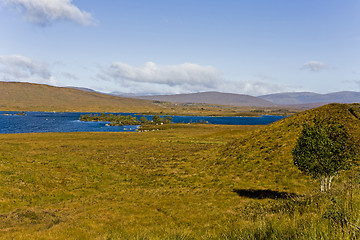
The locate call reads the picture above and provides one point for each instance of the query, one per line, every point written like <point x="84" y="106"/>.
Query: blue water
<point x="68" y="122"/>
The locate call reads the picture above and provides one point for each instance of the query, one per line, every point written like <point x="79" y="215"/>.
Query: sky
<point x="144" y="47"/>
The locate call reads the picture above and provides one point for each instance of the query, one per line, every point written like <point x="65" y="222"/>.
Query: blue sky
<point x="164" y="47"/>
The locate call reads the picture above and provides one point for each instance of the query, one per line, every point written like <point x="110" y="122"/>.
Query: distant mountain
<point x="122" y="94"/>
<point x="297" y="98"/>
<point x="83" y="89"/>
<point x="39" y="97"/>
<point x="212" y="98"/>
<point x="305" y="100"/>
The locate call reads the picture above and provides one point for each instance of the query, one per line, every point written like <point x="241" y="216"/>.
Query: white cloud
<point x="44" y="12"/>
<point x="157" y="78"/>
<point x="314" y="66"/>
<point x="175" y="75"/>
<point x="255" y="88"/>
<point x="182" y="78"/>
<point x="22" y="69"/>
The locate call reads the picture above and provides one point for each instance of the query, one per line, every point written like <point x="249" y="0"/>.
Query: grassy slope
<point x="262" y="160"/>
<point x="264" y="157"/>
<point x="39" y="97"/>
<point x="169" y="184"/>
<point x="15" y="96"/>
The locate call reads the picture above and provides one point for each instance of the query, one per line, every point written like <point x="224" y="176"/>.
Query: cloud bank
<point x="22" y="69"/>
<point x="314" y="66"/>
<point x="174" y="75"/>
<point x="44" y="12"/>
<point x="152" y="78"/>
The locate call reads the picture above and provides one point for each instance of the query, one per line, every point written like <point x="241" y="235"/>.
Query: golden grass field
<point x="98" y="185"/>
<point x="185" y="181"/>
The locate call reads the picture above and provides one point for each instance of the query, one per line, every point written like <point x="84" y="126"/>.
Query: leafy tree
<point x="143" y="119"/>
<point x="156" y="119"/>
<point x="322" y="150"/>
<point x="168" y="119"/>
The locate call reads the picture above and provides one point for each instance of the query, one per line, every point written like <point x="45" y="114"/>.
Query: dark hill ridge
<point x="265" y="155"/>
<point x="212" y="98"/>
<point x="309" y="97"/>
<point x="40" y="97"/>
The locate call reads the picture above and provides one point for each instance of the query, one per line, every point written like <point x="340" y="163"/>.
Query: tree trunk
<point x="329" y="182"/>
<point x="322" y="185"/>
<point x="325" y="183"/>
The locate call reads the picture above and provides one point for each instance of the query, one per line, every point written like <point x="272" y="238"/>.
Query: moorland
<point x="185" y="181"/>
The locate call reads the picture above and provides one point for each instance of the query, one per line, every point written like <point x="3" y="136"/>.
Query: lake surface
<point x="69" y="122"/>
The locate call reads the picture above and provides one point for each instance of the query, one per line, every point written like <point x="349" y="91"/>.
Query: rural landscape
<point x="183" y="181"/>
<point x="179" y="120"/>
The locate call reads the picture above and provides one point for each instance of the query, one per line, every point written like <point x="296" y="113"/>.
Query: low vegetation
<point x="121" y="120"/>
<point x="17" y="114"/>
<point x="21" y="113"/>
<point x="188" y="181"/>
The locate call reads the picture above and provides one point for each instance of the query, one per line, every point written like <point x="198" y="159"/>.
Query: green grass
<point x="189" y="181"/>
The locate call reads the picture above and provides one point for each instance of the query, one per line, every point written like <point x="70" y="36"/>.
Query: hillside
<point x="18" y="96"/>
<point x="297" y="98"/>
<point x="264" y="156"/>
<point x="212" y="98"/>
<point x="39" y="97"/>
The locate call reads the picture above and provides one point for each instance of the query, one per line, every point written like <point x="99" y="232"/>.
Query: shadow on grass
<point x="262" y="194"/>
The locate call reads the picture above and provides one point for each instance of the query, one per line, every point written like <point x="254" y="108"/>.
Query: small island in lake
<point x="120" y="120"/>
<point x="21" y="113"/>
<point x="17" y="114"/>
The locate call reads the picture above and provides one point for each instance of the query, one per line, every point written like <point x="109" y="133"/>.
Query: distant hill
<point x="40" y="97"/>
<point x="297" y="98"/>
<point x="83" y="89"/>
<point x="265" y="155"/>
<point x="293" y="99"/>
<point x="212" y="98"/>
